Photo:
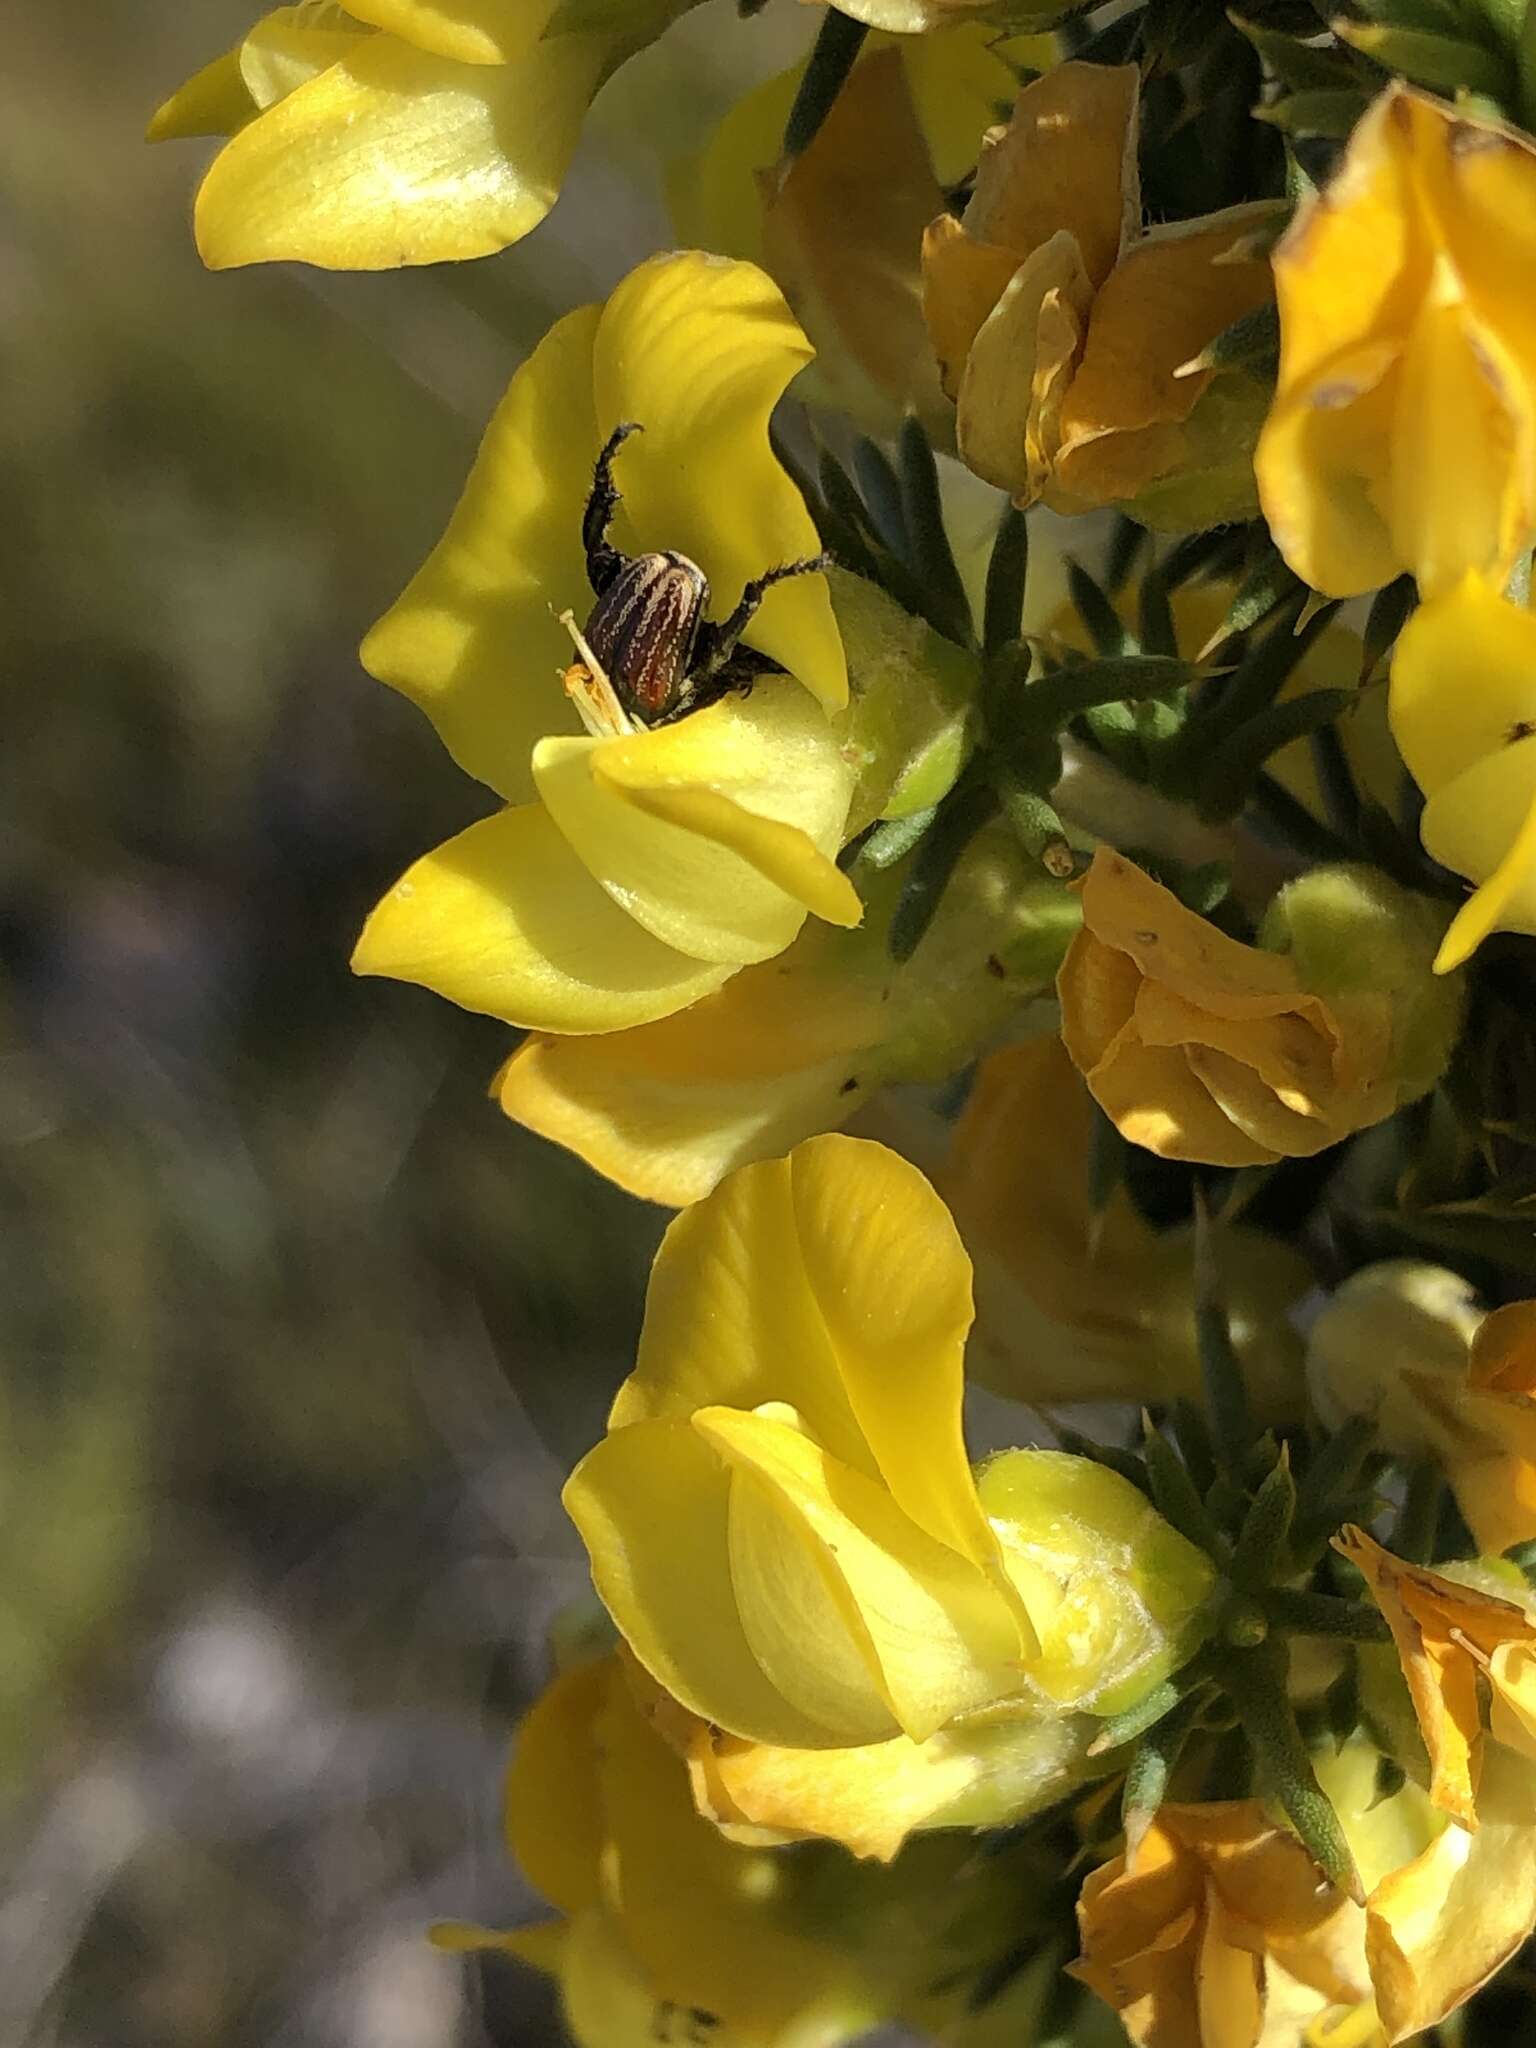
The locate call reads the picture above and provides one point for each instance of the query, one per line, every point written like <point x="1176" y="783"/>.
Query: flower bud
<point x="1075" y="344"/>
<point x="1114" y="1591"/>
<point x="1200" y="1048"/>
<point x="1356" y="936"/>
<point x="1405" y="1344"/>
<point x="1391" y="1346"/>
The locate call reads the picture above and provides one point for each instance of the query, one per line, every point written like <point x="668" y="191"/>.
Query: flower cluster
<point x="1109" y="877"/>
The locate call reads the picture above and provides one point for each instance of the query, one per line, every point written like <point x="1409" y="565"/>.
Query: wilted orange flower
<point x="1213" y="1927"/>
<point x="1065" y="333"/>
<point x="1403" y="434"/>
<point x="1449" y="1634"/>
<point x="1199" y="1047"/>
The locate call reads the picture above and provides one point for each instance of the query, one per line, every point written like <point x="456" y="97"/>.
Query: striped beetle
<point x="648" y="628"/>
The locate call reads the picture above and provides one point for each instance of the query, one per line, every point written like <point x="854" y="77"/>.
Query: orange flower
<point x="1199" y="1047"/>
<point x="1449" y="1635"/>
<point x="1213" y="1927"/>
<point x="1066" y="335"/>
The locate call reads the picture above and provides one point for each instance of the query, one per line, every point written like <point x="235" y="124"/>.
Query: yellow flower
<point x="799" y="1044"/>
<point x="1073" y="1305"/>
<point x="1462" y="703"/>
<point x="387" y="132"/>
<point x="874" y="1797"/>
<point x="1446" y="1907"/>
<point x="1405" y="1344"/>
<point x="1217" y="1931"/>
<point x="1453" y="1635"/>
<point x="630" y="873"/>
<point x="1440" y="1926"/>
<point x="782" y="1519"/>
<point x="918" y="17"/>
<point x="1065" y="333"/>
<point x="1403" y="434"/>
<point x="669" y="1932"/>
<point x="840" y="226"/>
<point x="1198" y="1047"/>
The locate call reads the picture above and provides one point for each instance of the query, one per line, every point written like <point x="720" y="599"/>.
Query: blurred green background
<point x="299" y="1335"/>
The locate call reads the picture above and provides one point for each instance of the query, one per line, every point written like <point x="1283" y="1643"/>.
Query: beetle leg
<point x="716" y="644"/>
<point x="603" y="560"/>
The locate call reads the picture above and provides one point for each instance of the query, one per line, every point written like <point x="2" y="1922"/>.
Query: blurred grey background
<point x="299" y="1336"/>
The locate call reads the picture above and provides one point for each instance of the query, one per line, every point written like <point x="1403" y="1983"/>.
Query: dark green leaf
<point x="1250" y="343"/>
<point x="961" y="816"/>
<point x="1327" y="113"/>
<point x="1324" y="1614"/>
<point x="1226" y="1392"/>
<point x="836" y="50"/>
<point x="1389" y="613"/>
<point x="1007" y="578"/>
<point x="933" y="560"/>
<point x="894" y="838"/>
<point x="1232" y="768"/>
<point x="1260" y="1555"/>
<point x="1106" y="629"/>
<point x="1257" y="1681"/>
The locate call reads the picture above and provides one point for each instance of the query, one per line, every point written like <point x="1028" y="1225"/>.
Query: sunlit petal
<point x="394" y="157"/>
<point x="652" y="1505"/>
<point x="505" y="919"/>
<point x="699" y="350"/>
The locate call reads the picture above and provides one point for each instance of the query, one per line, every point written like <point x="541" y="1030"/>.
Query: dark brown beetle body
<point x="649" y="630"/>
<point x="644" y="629"/>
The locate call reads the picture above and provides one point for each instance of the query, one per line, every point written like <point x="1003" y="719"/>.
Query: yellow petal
<point x="553" y="1813"/>
<point x="834" y="1281"/>
<point x="1361" y="246"/>
<point x="927" y="1637"/>
<point x="394" y="157"/>
<point x="870" y="1798"/>
<point x="605" y="1999"/>
<point x="214" y="101"/>
<point x="1463" y="681"/>
<point x="1319" y="464"/>
<point x="1444" y="1923"/>
<point x="1488" y="816"/>
<point x="470" y="31"/>
<point x="796" y="1045"/>
<point x="505" y="919"/>
<point x="289" y="47"/>
<point x="716" y="832"/>
<point x="1461" y="414"/>
<point x="1019" y="367"/>
<point x="652" y="1504"/>
<point x="702" y="1918"/>
<point x="668" y="1110"/>
<point x="845" y="247"/>
<point x="959" y="77"/>
<point x="699" y="350"/>
<point x="474" y="639"/>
